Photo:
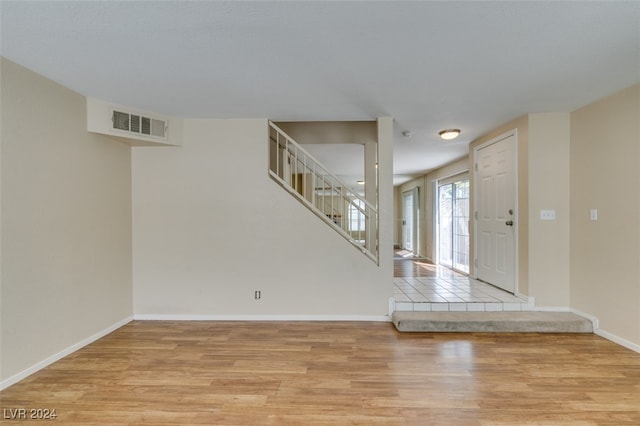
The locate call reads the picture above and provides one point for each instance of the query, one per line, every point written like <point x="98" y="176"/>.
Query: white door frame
<point x="516" y="215"/>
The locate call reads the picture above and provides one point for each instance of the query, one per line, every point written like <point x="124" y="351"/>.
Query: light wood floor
<point x="304" y="373"/>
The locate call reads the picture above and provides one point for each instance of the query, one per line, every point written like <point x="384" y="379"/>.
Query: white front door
<point x="496" y="212"/>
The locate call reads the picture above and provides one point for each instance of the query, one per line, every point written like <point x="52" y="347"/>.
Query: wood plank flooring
<point x="410" y="267"/>
<point x="332" y="373"/>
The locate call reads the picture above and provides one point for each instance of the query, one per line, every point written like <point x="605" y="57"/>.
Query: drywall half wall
<point x="66" y="224"/>
<point x="605" y="272"/>
<point x="210" y="228"/>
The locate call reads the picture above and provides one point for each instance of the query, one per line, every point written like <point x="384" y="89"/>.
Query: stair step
<point x="491" y="322"/>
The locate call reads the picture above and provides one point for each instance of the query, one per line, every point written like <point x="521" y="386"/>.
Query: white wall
<point x="210" y="227"/>
<point x="66" y="223"/>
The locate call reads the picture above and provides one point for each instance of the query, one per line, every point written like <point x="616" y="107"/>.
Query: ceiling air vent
<point x="139" y="124"/>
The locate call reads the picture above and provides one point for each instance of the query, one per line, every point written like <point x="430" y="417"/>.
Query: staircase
<point x="323" y="193"/>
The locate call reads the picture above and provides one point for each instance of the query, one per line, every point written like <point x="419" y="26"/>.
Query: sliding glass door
<point x="453" y="223"/>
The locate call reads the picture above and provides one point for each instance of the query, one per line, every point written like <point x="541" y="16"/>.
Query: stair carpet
<point x="491" y="322"/>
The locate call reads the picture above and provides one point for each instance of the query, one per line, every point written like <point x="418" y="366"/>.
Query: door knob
<point x="509" y="223"/>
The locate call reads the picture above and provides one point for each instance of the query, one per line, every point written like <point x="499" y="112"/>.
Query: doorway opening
<point x="410" y="211"/>
<point x="453" y="223"/>
<point x="496" y="200"/>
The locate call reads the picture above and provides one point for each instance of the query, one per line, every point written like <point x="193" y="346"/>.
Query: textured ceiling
<point x="430" y="65"/>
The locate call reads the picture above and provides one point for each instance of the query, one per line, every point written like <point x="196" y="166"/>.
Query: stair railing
<point x="322" y="192"/>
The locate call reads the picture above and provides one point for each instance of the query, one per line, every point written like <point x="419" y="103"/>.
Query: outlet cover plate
<point x="547" y="215"/>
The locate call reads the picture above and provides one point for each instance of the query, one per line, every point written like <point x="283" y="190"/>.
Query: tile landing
<point x="454" y="293"/>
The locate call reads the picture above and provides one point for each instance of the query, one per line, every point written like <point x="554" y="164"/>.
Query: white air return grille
<point x="158" y="127"/>
<point x="139" y="124"/>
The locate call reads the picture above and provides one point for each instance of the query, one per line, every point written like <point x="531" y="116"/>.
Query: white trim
<point x="619" y="340"/>
<point x="53" y="358"/>
<point x="596" y="327"/>
<point x="530" y="300"/>
<point x="455" y="177"/>
<point x="169" y="317"/>
<point x="516" y="215"/>
<point x="392" y="306"/>
<point x="554" y="309"/>
<point x="594" y="320"/>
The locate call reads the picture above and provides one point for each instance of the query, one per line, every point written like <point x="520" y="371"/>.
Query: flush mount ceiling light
<point x="449" y="134"/>
<point x="360" y="182"/>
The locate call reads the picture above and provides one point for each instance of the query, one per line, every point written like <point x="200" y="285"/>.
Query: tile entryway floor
<point x="422" y="286"/>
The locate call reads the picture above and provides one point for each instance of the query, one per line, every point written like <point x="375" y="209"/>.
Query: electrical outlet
<point x="257" y="294"/>
<point x="547" y="215"/>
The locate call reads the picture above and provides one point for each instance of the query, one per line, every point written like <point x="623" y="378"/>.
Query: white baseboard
<point x="163" y="317"/>
<point x="609" y="336"/>
<point x="53" y="358"/>
<point x="596" y="327"/>
<point x="619" y="340"/>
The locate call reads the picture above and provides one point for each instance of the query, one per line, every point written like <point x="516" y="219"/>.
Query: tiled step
<point x="522" y="305"/>
<point x="491" y="322"/>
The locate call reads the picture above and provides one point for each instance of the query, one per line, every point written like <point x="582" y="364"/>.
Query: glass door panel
<point x="445" y="221"/>
<point x="453" y="225"/>
<point x="460" y="229"/>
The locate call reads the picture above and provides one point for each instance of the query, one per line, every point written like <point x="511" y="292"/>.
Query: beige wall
<point x="549" y="138"/>
<point x="210" y="227"/>
<point x="522" y="221"/>
<point x="605" y="154"/>
<point x="330" y="132"/>
<point x="66" y="223"/>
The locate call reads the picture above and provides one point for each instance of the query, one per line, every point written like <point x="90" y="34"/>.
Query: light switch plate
<point x="594" y="214"/>
<point x="547" y="215"/>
